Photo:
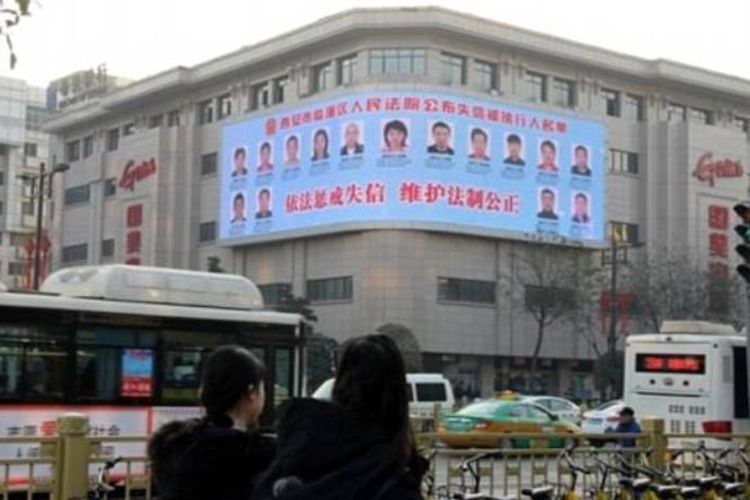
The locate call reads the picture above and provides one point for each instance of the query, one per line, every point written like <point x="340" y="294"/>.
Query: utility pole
<point x="38" y="184"/>
<point x="613" y="311"/>
<point x="39" y="219"/>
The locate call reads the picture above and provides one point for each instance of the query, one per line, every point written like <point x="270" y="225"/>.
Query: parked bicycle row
<point x="618" y="473"/>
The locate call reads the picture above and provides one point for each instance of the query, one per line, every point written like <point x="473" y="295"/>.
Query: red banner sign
<point x="134" y="173"/>
<point x="133" y="242"/>
<point x="707" y="170"/>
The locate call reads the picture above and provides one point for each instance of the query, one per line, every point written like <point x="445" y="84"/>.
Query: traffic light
<point x="743" y="230"/>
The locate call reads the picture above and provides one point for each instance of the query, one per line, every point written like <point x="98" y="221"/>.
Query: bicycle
<point x="656" y="485"/>
<point x="547" y="492"/>
<point x="470" y="466"/>
<point x="103" y="487"/>
<point x="722" y="481"/>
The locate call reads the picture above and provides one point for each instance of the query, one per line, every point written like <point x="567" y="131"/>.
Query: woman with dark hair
<point x="395" y="134"/>
<point x="359" y="446"/>
<point x="216" y="457"/>
<point x="320" y="145"/>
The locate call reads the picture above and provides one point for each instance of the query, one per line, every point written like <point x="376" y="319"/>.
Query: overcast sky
<point x="136" y="38"/>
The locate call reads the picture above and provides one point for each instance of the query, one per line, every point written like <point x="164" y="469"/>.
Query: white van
<point x="425" y="390"/>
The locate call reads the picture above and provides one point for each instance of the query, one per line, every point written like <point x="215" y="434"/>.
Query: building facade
<point x="23" y="146"/>
<point x="146" y="166"/>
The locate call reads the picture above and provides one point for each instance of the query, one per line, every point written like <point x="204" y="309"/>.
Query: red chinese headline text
<point x="418" y="104"/>
<point x="410" y="193"/>
<point x="338" y="196"/>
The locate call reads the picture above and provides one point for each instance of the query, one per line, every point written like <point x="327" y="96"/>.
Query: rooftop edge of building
<point x="400" y="18"/>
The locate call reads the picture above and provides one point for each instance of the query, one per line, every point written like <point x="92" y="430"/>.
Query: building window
<point x="108" y="248"/>
<point x="454" y="69"/>
<point x="224" y="103"/>
<point x="209" y="164"/>
<point x="73" y="151"/>
<point x="633" y="108"/>
<point x="397" y="61"/>
<point x="623" y="232"/>
<point x="128" y="129"/>
<point x="676" y="112"/>
<point x="347" y="67"/>
<point x="155" y="121"/>
<point x="15" y="268"/>
<point x="77" y="195"/>
<point x="275" y="293"/>
<point x="610" y="102"/>
<point x="701" y="116"/>
<point x="463" y="290"/>
<point x="113" y="139"/>
<point x="322" y="77"/>
<point x="330" y="289"/>
<point x="18" y="239"/>
<point x="2" y="209"/>
<point x="173" y="118"/>
<point x="75" y="253"/>
<point x="110" y="187"/>
<point x="207" y="232"/>
<point x="27" y="208"/>
<point x="206" y="112"/>
<point x="279" y="89"/>
<point x="30" y="149"/>
<point x="536" y="87"/>
<point x="35" y="116"/>
<point x="563" y="92"/>
<point x="742" y="124"/>
<point x="486" y="75"/>
<point x="2" y="177"/>
<point x="88" y="146"/>
<point x="259" y="96"/>
<point x="623" y="161"/>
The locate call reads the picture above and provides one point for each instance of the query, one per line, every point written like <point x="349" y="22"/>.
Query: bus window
<point x="283" y="386"/>
<point x="181" y="375"/>
<point x="96" y="373"/>
<point x="10" y="372"/>
<point x="45" y="370"/>
<point x="208" y="339"/>
<point x="741" y="409"/>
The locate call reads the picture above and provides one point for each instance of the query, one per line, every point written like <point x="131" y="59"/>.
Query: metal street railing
<point x="64" y="467"/>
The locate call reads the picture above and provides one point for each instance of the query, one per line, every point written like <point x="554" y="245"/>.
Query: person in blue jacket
<point x="627" y="425"/>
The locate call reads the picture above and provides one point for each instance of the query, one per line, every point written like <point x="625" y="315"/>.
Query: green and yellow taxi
<point x="484" y="423"/>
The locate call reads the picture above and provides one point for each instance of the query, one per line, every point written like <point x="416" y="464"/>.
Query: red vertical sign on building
<point x="133" y="233"/>
<point x="718" y="241"/>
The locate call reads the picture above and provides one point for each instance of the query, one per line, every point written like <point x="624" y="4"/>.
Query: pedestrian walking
<point x="216" y="457"/>
<point x="360" y="445"/>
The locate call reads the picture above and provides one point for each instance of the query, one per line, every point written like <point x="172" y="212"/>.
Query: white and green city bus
<point x="125" y="344"/>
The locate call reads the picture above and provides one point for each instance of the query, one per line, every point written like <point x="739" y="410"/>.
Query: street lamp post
<point x="40" y="180"/>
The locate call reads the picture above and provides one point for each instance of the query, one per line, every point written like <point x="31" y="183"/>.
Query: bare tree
<point x="556" y="282"/>
<point x="669" y="287"/>
<point x="11" y="13"/>
<point x="407" y="344"/>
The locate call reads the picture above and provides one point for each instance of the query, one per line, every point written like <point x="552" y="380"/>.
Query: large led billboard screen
<point x="413" y="159"/>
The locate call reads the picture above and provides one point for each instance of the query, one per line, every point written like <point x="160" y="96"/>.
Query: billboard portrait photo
<point x="238" y="214"/>
<point x="413" y="159"/>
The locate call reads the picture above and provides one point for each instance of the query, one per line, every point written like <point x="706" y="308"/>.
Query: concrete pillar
<point x="71" y="471"/>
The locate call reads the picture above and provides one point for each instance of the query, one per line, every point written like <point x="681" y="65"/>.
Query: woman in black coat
<point x="360" y="445"/>
<point x="216" y="457"/>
